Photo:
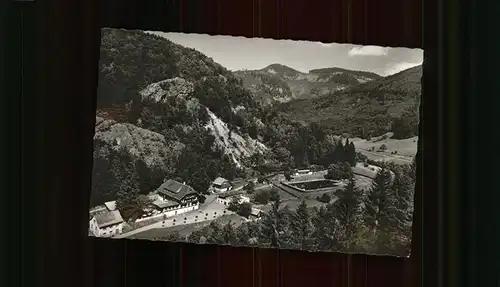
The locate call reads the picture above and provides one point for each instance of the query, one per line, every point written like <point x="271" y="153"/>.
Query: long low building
<point x="227" y="198"/>
<point x="170" y="199"/>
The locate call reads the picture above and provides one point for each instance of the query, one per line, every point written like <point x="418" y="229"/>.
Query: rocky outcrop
<point x="238" y="147"/>
<point x="160" y="91"/>
<point x="150" y="147"/>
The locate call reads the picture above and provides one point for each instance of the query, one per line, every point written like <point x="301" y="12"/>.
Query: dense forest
<point x="156" y="96"/>
<point x="365" y="110"/>
<point x="155" y="119"/>
<point x="376" y="221"/>
<point x="192" y="83"/>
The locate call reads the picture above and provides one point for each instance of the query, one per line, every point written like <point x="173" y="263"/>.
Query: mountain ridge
<point x="277" y="83"/>
<point x="374" y="105"/>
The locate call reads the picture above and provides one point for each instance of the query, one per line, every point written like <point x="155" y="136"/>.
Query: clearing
<point x="405" y="149"/>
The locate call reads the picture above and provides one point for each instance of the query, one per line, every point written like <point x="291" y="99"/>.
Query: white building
<point x="226" y="199"/>
<point x="303" y="172"/>
<point x="106" y="223"/>
<point x="255" y="214"/>
<point x="170" y="199"/>
<point x="221" y="185"/>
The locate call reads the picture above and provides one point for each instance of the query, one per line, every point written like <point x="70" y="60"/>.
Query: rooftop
<point x="97" y="209"/>
<point x="220" y="180"/>
<point x="164" y="203"/>
<point x="255" y="211"/>
<point x="231" y="194"/>
<point x="175" y="189"/>
<point x="108" y="218"/>
<point x="110" y="205"/>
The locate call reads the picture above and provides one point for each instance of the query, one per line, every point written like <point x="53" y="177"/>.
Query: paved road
<point x="206" y="212"/>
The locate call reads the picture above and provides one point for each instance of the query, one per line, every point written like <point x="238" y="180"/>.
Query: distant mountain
<point x="368" y="108"/>
<point x="278" y="83"/>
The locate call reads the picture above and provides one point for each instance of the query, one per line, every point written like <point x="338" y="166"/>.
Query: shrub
<point x="250" y="187"/>
<point x="325" y="198"/>
<point x="245" y="209"/>
<point x="201" y="198"/>
<point x="274" y="195"/>
<point x="339" y="171"/>
<point x="383" y="147"/>
<point x="262" y="197"/>
<point x="234" y="205"/>
<point x="316" y="167"/>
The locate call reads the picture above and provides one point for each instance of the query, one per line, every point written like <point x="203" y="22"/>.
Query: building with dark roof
<point x="178" y="192"/>
<point x="169" y="199"/>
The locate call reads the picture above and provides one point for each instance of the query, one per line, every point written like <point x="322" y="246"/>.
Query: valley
<point x="287" y="143"/>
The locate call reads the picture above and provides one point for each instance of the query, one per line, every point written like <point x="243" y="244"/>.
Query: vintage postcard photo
<point x="255" y="142"/>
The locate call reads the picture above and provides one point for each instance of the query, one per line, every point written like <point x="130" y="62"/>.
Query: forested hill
<point x="154" y="94"/>
<point x="167" y="111"/>
<point x="278" y="83"/>
<point x="372" y="108"/>
<point x="152" y="85"/>
<point x="131" y="60"/>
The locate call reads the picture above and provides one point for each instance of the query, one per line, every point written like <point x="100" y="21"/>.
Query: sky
<point x="240" y="53"/>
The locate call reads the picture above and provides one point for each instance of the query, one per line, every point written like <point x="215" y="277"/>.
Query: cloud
<point x="368" y="51"/>
<point x="398" y="67"/>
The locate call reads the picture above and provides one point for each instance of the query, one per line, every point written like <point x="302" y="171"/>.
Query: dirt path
<point x="384" y="155"/>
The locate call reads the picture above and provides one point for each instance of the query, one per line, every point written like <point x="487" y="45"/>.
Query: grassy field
<point x="406" y="149"/>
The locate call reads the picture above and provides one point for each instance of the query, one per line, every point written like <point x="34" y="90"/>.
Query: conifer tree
<point x="301" y="227"/>
<point x="229" y="234"/>
<point x="247" y="234"/>
<point x="196" y="236"/>
<point x="129" y="201"/>
<point x="103" y="181"/>
<point x="215" y="235"/>
<point x="339" y="152"/>
<point x="326" y="229"/>
<point x="402" y="192"/>
<point x="346" y="150"/>
<point x="347" y="211"/>
<point x="402" y="210"/>
<point x="274" y="225"/>
<point x="351" y="154"/>
<point x="377" y="201"/>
